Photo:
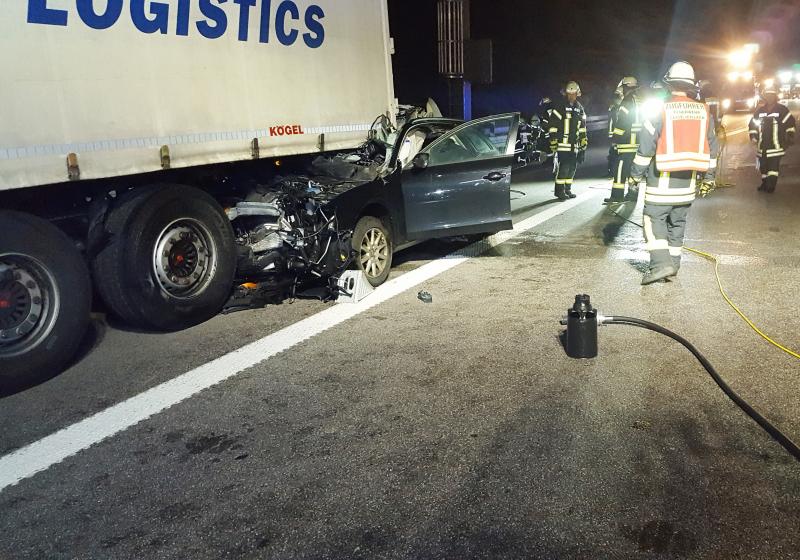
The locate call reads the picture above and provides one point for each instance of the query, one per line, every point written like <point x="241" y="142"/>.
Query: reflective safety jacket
<point x="774" y="129"/>
<point x="627" y="126"/>
<point x="568" y="127"/>
<point x="612" y="116"/>
<point x="675" y="147"/>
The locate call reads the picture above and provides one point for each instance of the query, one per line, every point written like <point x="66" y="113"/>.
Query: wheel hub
<point x="181" y="259"/>
<point x="21" y="303"/>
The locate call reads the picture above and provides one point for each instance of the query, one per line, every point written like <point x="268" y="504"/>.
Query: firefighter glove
<point x="706" y="188"/>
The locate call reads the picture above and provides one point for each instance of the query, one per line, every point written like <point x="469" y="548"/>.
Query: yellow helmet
<point x="572" y="87"/>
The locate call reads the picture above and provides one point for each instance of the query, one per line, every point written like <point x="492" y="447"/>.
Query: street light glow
<point x="733" y="76"/>
<point x="740" y="58"/>
<point x="785" y="76"/>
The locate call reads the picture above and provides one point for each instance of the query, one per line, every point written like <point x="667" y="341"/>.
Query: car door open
<point x="461" y="183"/>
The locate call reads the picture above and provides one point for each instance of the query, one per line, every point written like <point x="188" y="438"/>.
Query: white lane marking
<point x="50" y="450"/>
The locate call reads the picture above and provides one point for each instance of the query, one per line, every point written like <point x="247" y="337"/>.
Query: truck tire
<point x="170" y="260"/>
<point x="45" y="299"/>
<point x="372" y="242"/>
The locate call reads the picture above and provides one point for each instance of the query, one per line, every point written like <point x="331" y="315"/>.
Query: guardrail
<point x="593" y="124"/>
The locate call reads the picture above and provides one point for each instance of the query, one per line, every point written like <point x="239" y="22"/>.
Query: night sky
<point x="539" y="45"/>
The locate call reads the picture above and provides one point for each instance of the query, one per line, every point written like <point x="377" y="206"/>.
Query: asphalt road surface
<point x="456" y="429"/>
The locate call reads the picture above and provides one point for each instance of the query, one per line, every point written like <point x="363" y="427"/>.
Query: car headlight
<point x="726" y="103"/>
<point x="651" y="108"/>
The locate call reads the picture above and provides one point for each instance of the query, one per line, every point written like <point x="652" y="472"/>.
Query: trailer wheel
<point x="171" y="259"/>
<point x="372" y="242"/>
<point x="45" y="299"/>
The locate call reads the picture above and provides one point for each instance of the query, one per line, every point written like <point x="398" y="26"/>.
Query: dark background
<point x="539" y="45"/>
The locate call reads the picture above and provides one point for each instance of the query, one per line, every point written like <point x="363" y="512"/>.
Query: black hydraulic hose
<point x="774" y="432"/>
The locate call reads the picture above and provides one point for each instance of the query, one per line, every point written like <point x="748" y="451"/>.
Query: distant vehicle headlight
<point x="726" y="103"/>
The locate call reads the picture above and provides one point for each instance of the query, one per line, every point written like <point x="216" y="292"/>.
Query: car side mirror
<point x="421" y="161"/>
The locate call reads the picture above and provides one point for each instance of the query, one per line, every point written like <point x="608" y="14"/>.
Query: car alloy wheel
<point x="374" y="253"/>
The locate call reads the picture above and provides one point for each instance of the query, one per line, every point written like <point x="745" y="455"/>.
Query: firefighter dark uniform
<point x="772" y="129"/>
<point x="625" y="142"/>
<point x="676" y="145"/>
<point x="568" y="140"/>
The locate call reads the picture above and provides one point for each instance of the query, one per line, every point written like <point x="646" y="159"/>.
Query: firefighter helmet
<point x="629" y="82"/>
<point x="769" y="87"/>
<point x="680" y="73"/>
<point x="572" y="87"/>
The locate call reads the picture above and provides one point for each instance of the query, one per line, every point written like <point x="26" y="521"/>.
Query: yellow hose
<point x="744" y="317"/>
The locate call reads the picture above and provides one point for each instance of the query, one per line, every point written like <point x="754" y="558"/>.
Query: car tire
<point x="170" y="260"/>
<point x="45" y="300"/>
<point x="372" y="242"/>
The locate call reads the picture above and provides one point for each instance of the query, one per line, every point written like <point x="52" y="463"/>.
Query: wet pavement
<point x="457" y="429"/>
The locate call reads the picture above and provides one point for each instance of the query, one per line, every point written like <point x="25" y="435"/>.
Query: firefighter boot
<point x="656" y="274"/>
<point x="676" y="264"/>
<point x="560" y="193"/>
<point x="569" y="193"/>
<point x="763" y="186"/>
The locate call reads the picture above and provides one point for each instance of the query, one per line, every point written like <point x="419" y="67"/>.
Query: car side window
<point x="474" y="142"/>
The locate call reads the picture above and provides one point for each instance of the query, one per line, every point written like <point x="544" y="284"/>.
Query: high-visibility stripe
<point x="642" y="161"/>
<point x="556" y="113"/>
<point x="774" y="174"/>
<point x="624" y="109"/>
<point x="668" y="200"/>
<point x="775" y="141"/>
<point x="787" y="117"/>
<point x="618" y="178"/>
<point x="649" y="126"/>
<point x="712" y="164"/>
<point x="675" y="251"/>
<point x="683" y="162"/>
<point x="619" y="132"/>
<point x="791" y="129"/>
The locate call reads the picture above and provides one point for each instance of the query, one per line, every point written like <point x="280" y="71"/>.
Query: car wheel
<point x="45" y="299"/>
<point x="171" y="259"/>
<point x="372" y="243"/>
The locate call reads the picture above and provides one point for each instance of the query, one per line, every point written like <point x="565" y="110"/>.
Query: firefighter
<point x="625" y="141"/>
<point x="612" y="115"/>
<point x="772" y="130"/>
<point x="678" y="142"/>
<point x="568" y="139"/>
